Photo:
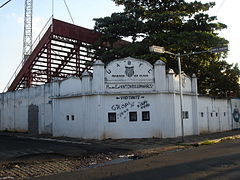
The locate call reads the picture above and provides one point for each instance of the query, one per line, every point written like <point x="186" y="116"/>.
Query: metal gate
<point x="33" y="119"/>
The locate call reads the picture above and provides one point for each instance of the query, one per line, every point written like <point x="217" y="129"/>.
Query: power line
<point x="5" y="3"/>
<point x="68" y="11"/>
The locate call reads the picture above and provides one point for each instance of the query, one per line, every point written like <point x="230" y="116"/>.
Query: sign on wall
<point x="129" y="74"/>
<point x="129" y="69"/>
<point x="130" y="86"/>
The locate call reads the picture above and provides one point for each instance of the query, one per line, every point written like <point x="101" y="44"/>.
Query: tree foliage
<point x="180" y="27"/>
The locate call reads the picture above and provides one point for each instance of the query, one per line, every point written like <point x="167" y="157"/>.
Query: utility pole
<point x="161" y="50"/>
<point x="27" y="34"/>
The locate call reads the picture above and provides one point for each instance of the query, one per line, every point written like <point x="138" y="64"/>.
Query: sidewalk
<point x="130" y="144"/>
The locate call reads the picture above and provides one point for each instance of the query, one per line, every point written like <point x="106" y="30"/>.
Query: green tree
<point x="180" y="27"/>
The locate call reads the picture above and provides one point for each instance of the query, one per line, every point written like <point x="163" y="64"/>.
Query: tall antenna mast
<point x="27" y="35"/>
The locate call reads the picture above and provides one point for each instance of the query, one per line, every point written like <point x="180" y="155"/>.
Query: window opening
<point x="112" y="117"/>
<point x="185" y="115"/>
<point x="132" y="116"/>
<point x="146" y="116"/>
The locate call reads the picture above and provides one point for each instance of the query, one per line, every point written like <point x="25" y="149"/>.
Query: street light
<point x="161" y="50"/>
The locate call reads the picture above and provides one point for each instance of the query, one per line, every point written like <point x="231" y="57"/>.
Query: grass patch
<point x="209" y="142"/>
<point x="214" y="141"/>
<point x="230" y="137"/>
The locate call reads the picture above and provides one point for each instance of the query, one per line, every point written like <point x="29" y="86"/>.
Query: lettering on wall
<point x="129" y="97"/>
<point x="129" y="103"/>
<point x="130" y="86"/>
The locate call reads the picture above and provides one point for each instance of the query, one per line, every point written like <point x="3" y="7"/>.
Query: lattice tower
<point x="27" y="35"/>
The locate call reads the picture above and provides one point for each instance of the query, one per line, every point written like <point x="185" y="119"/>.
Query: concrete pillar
<point x="194" y="84"/>
<point x="170" y="75"/>
<point x="98" y="77"/>
<point x="160" y="75"/>
<point x="86" y="82"/>
<point x="195" y="113"/>
<point x="170" y="120"/>
<point x="98" y="87"/>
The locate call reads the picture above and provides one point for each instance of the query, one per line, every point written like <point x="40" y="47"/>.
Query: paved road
<point x="12" y="147"/>
<point x="218" y="161"/>
<point x="51" y="155"/>
<point x="16" y="145"/>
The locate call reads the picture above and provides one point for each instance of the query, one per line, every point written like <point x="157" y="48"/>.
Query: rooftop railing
<point x="24" y="59"/>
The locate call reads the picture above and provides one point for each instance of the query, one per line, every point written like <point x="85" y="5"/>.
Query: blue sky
<point x="83" y="11"/>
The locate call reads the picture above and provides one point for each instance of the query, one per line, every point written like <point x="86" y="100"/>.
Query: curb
<point x="54" y="140"/>
<point x="212" y="141"/>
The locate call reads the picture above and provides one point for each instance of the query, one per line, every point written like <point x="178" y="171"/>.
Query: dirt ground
<point x="48" y="164"/>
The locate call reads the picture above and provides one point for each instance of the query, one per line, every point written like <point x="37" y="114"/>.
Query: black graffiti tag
<point x="122" y="106"/>
<point x="143" y="104"/>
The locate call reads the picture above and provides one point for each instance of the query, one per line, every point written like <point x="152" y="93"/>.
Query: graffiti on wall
<point x="143" y="104"/>
<point x="236" y="114"/>
<point x="130" y="103"/>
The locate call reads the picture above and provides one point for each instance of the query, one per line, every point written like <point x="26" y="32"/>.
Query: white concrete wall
<point x="69" y="127"/>
<point x="186" y="83"/>
<point x="14" y="109"/>
<point x="8" y="112"/>
<point x="94" y="100"/>
<point x="72" y="85"/>
<point x="79" y="107"/>
<point x="123" y="128"/>
<point x="214" y="115"/>
<point x="21" y="110"/>
<point x="87" y="118"/>
<point x="189" y="103"/>
<point x="91" y="116"/>
<point x="187" y="122"/>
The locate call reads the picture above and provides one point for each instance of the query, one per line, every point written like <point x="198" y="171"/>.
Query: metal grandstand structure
<point x="61" y="50"/>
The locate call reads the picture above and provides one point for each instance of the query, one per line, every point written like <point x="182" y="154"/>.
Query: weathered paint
<point x="214" y="115"/>
<point x="79" y="107"/>
<point x="15" y="104"/>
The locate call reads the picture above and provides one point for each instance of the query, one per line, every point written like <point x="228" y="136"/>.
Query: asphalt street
<point x="25" y="156"/>
<point x="217" y="161"/>
<point x="13" y="147"/>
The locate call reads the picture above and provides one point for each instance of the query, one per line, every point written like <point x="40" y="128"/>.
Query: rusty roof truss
<point x="64" y="50"/>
